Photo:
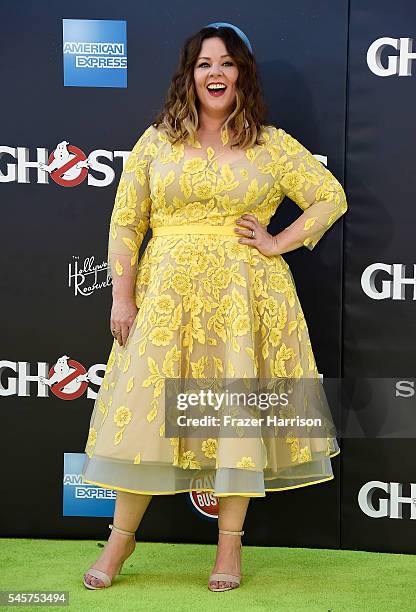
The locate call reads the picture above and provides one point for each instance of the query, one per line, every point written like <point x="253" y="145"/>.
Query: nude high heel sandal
<point x="226" y="577"/>
<point x="96" y="573"/>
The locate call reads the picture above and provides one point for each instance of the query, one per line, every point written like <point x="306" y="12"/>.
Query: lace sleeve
<point x="307" y="182"/>
<point x="131" y="212"/>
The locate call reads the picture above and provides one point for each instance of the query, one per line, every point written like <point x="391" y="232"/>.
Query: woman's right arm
<point x="128" y="226"/>
<point x="308" y="183"/>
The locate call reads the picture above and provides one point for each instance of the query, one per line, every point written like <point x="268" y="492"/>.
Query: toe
<point x="93" y="581"/>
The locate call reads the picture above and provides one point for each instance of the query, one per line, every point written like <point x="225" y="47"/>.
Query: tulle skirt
<point x="208" y="308"/>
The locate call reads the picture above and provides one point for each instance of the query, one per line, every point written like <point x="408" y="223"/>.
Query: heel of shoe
<point x="124" y="532"/>
<point x="102" y="575"/>
<point x="224" y="577"/>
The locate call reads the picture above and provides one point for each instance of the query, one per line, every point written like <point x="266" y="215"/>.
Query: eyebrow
<point x="203" y="57"/>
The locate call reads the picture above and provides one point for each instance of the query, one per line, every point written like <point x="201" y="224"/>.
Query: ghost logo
<point x="67" y="378"/>
<point x="390" y="506"/>
<point x="67" y="165"/>
<point x="398" y="64"/>
<point x="203" y="502"/>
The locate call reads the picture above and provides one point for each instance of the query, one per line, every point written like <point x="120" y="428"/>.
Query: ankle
<point x="229" y="539"/>
<point x="121" y="541"/>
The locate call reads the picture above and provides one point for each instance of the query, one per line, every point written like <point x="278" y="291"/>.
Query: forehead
<point x="213" y="47"/>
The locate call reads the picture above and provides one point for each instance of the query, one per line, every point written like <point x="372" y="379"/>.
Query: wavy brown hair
<point x="179" y="115"/>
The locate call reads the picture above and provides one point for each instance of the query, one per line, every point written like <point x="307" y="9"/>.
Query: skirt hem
<point x="210" y="489"/>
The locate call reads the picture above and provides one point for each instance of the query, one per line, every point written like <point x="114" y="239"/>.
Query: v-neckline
<point x="209" y="161"/>
<point x="197" y="145"/>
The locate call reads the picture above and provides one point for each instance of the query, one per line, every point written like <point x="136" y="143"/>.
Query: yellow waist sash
<point x="202" y="228"/>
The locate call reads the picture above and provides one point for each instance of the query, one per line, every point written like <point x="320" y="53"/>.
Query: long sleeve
<point x="307" y="182"/>
<point x="131" y="212"/>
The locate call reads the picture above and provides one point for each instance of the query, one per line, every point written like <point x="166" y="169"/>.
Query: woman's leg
<point x="232" y="512"/>
<point x="129" y="511"/>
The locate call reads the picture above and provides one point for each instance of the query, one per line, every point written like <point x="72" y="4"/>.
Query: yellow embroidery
<point x="122" y="416"/>
<point x="188" y="461"/>
<point x="118" y="436"/>
<point x="92" y="437"/>
<point x="300" y="455"/>
<point x="130" y="384"/>
<point x="245" y="462"/>
<point x="209" y="447"/>
<point x="207" y="305"/>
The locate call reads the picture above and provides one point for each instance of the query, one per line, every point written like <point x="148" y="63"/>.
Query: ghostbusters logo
<point x="67" y="165"/>
<point x="67" y="378"/>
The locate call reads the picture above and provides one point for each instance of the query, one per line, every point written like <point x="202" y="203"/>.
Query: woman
<point x="212" y="296"/>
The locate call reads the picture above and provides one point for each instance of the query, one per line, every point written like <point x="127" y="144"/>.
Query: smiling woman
<point x="216" y="89"/>
<point x="211" y="298"/>
<point x="216" y="73"/>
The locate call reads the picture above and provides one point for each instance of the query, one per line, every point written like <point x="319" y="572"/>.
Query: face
<point x="214" y="65"/>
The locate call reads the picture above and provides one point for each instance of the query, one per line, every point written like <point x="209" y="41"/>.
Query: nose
<point x="215" y="69"/>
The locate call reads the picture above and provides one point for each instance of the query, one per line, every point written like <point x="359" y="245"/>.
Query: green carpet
<point x="161" y="576"/>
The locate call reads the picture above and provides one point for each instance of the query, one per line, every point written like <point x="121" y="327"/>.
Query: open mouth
<point x="216" y="90"/>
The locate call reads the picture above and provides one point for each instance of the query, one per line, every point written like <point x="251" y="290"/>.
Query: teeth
<point x="216" y="86"/>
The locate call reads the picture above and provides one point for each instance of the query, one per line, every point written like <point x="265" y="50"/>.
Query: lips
<point x="216" y="93"/>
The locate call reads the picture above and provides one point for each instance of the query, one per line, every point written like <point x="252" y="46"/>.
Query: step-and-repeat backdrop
<point x="340" y="77"/>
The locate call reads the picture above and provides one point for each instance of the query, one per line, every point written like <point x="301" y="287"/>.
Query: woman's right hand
<point x="123" y="313"/>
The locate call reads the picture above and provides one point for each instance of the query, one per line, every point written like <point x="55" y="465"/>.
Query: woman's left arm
<point x="307" y="182"/>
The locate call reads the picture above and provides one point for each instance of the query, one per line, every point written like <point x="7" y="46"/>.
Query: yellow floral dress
<point x="208" y="306"/>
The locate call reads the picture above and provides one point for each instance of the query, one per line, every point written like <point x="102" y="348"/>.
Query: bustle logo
<point x="204" y="503"/>
<point x="381" y="281"/>
<point x="67" y="165"/>
<point x="398" y="64"/>
<point x="387" y="507"/>
<point x="67" y="379"/>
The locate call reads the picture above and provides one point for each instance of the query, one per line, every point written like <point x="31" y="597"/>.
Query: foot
<point x="117" y="549"/>
<point x="228" y="559"/>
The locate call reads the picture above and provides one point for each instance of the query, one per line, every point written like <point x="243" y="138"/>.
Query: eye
<point x="206" y="64"/>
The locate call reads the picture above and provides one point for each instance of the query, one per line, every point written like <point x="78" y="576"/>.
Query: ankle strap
<point x="122" y="530"/>
<point x="231" y="532"/>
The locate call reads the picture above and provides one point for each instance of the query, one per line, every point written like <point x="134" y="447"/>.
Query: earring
<point x="245" y="119"/>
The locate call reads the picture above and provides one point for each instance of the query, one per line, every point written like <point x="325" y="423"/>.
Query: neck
<point x="211" y="122"/>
